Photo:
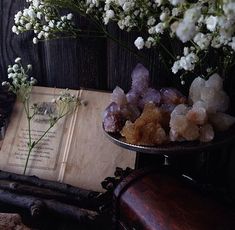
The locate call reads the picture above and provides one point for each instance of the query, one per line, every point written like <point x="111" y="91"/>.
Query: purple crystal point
<point x="113" y="120"/>
<point x="172" y="96"/>
<point x="133" y="97"/>
<point x="118" y="96"/>
<point x="140" y="79"/>
<point x="151" y="95"/>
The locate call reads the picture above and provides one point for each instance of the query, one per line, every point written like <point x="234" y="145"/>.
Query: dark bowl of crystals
<point x="163" y="120"/>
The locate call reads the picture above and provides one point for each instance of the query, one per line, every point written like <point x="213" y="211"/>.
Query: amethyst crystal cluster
<point x="148" y="116"/>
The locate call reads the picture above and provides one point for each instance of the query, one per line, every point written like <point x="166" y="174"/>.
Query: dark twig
<point x="38" y="207"/>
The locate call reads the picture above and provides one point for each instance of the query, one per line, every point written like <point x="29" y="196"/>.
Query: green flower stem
<point x="167" y="51"/>
<point x="27" y="160"/>
<point x="31" y="144"/>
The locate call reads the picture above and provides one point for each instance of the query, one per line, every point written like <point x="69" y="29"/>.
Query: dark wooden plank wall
<point x="99" y="64"/>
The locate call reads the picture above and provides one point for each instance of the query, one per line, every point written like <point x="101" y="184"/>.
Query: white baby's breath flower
<point x="69" y="16"/>
<point x="202" y="40"/>
<point x="185" y="31"/>
<point x="35" y="40"/>
<point x="176" y="2"/>
<point x="5" y="83"/>
<point x="151" y="21"/>
<point x="159" y="28"/>
<point x="139" y="43"/>
<point x="211" y="23"/>
<point x="14" y="29"/>
<point x="29" y="67"/>
<point x="150" y="42"/>
<point x="18" y="60"/>
<point x="28" y="26"/>
<point x="16" y="67"/>
<point x="192" y="15"/>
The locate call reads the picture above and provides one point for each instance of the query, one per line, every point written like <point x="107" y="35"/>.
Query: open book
<point x="75" y="151"/>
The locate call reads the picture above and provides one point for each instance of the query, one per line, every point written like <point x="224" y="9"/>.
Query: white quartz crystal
<point x="197" y="115"/>
<point x="215" y="81"/>
<point x="180" y="109"/>
<point x="195" y="89"/>
<point x="210" y="92"/>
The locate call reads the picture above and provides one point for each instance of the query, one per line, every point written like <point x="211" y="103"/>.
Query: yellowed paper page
<point x="45" y="159"/>
<point x="92" y="157"/>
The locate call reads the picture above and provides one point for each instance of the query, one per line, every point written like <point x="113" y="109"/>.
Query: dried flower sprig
<point x="21" y="85"/>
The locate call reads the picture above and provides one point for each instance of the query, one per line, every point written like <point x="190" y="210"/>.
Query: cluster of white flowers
<point x="43" y="20"/>
<point x="203" y="25"/>
<point x="20" y="83"/>
<point x="186" y="62"/>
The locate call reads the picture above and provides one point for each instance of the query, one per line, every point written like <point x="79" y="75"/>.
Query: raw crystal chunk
<point x="131" y="134"/>
<point x="195" y="89"/>
<point x="130" y="112"/>
<point x="197" y="115"/>
<point x="172" y="96"/>
<point x="118" y="96"/>
<point x="151" y="113"/>
<point x="133" y="97"/>
<point x="112" y="108"/>
<point x="206" y="133"/>
<point x="221" y="121"/>
<point x="147" y="129"/>
<point x="214" y="99"/>
<point x="140" y="79"/>
<point x="113" y="120"/>
<point x="182" y="127"/>
<point x="151" y="95"/>
<point x="191" y="132"/>
<point x="152" y="134"/>
<point x="215" y="82"/>
<point x="210" y="92"/>
<point x="181" y="109"/>
<point x="200" y="104"/>
<point x="178" y="123"/>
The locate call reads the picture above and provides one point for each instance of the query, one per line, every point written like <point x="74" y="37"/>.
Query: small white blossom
<point x="35" y="40"/>
<point x="202" y="40"/>
<point x="29" y="67"/>
<point x="185" y="31"/>
<point x="28" y="26"/>
<point x="192" y="15"/>
<point x="139" y="43"/>
<point x="151" y="21"/>
<point x="18" y="60"/>
<point x="159" y="28"/>
<point x="176" y="2"/>
<point x="211" y="23"/>
<point x="69" y="16"/>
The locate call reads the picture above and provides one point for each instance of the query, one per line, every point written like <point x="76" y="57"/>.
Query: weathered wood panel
<point x="61" y="63"/>
<point x="12" y="46"/>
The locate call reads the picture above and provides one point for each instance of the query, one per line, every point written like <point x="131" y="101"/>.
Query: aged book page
<point x="92" y="157"/>
<point x="46" y="157"/>
<point x="75" y="151"/>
